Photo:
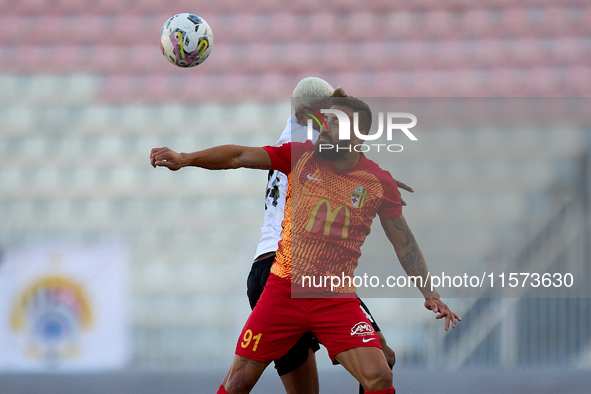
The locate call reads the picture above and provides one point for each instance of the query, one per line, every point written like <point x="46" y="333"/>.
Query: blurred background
<point x="85" y="93"/>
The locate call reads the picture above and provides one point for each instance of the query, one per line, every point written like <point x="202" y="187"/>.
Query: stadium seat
<point x="578" y="78"/>
<point x="525" y="51"/>
<point x="515" y="20"/>
<point x="284" y="26"/>
<point x="476" y="21"/>
<point x="22" y="213"/>
<point x="9" y="88"/>
<point x="10" y="177"/>
<point x="118" y="89"/>
<point x="65" y="59"/>
<point x="236" y="28"/>
<point x="104" y="59"/>
<point x="12" y="28"/>
<point x="223" y="59"/>
<point x="556" y="19"/>
<point x="258" y="59"/>
<point x="84" y="30"/>
<point x="569" y="49"/>
<point x="540" y="82"/>
<point x="109" y="7"/>
<point x="124" y="31"/>
<point x="321" y="27"/>
<point x="363" y="18"/>
<point x="399" y="24"/>
<point x="451" y="53"/>
<point x="439" y="22"/>
<point x="489" y="52"/>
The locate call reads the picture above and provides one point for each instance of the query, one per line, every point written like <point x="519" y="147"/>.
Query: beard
<point x="329" y="153"/>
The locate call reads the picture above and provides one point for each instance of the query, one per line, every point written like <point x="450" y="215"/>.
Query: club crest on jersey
<point x="359" y="197"/>
<point x="362" y="329"/>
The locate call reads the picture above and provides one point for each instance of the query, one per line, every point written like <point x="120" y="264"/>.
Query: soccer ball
<point x="186" y="40"/>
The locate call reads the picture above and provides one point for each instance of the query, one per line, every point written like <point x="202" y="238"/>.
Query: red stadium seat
<point x="234" y="86"/>
<point x="65" y="59"/>
<point x="568" y="49"/>
<point x="143" y="58"/>
<point x="578" y="81"/>
<point x="413" y="53"/>
<point x="476" y="21"/>
<point x="221" y="58"/>
<point x="284" y="26"/>
<point x="360" y="26"/>
<point x="334" y="56"/>
<point x="125" y="31"/>
<point x="299" y="56"/>
<point x="119" y="89"/>
<point x="157" y="89"/>
<point x="515" y="20"/>
<point x="399" y="24"/>
<point x="320" y="27"/>
<point x="150" y="7"/>
<point x="465" y="82"/>
<point x="502" y="83"/>
<point x="112" y="7"/>
<point x="374" y="56"/>
<point x="386" y="85"/>
<point x="84" y="30"/>
<point x="451" y="53"/>
<point x="438" y="22"/>
<point x="489" y="52"/>
<point x="268" y="6"/>
<point x="30" y="7"/>
<point x="527" y="51"/>
<point x="556" y="20"/>
<point x="348" y="81"/>
<point x="8" y="60"/>
<point x="48" y="29"/>
<point x="540" y="82"/>
<point x="12" y="29"/>
<point x="258" y="58"/>
<point x="105" y="59"/>
<point x="272" y="87"/>
<point x="235" y="28"/>
<point x="586" y="17"/>
<point x="30" y="58"/>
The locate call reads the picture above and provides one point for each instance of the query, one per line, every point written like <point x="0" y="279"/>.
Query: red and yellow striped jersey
<point x="328" y="212"/>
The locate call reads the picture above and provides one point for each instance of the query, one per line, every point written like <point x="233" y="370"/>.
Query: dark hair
<point x="340" y="98"/>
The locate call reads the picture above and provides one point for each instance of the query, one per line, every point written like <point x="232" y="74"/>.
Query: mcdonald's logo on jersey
<point x="324" y="221"/>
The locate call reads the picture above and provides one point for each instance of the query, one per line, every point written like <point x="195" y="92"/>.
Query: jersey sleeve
<point x="280" y="157"/>
<point x="391" y="207"/>
<point x="285" y="155"/>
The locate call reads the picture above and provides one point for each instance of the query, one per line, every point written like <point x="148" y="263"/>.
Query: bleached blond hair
<point x="309" y="90"/>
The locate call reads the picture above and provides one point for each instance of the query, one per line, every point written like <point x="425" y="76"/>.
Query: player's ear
<point x="301" y="118"/>
<point x="356" y="139"/>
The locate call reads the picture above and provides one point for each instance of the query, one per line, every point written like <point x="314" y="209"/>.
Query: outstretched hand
<point x="404" y="186"/>
<point x="166" y="157"/>
<point x="438" y="306"/>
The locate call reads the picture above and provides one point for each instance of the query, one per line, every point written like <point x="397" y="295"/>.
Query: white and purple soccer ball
<point x="186" y="40"/>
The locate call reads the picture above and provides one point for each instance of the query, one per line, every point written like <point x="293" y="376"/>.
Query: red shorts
<point x="278" y="321"/>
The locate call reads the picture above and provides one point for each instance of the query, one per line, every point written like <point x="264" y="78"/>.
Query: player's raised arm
<point x="222" y="157"/>
<point x="412" y="260"/>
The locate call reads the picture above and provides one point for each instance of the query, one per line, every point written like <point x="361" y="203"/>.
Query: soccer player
<point x="297" y="369"/>
<point x="317" y="241"/>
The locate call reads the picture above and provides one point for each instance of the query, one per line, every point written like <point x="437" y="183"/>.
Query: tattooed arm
<point x="412" y="260"/>
<point x="409" y="254"/>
